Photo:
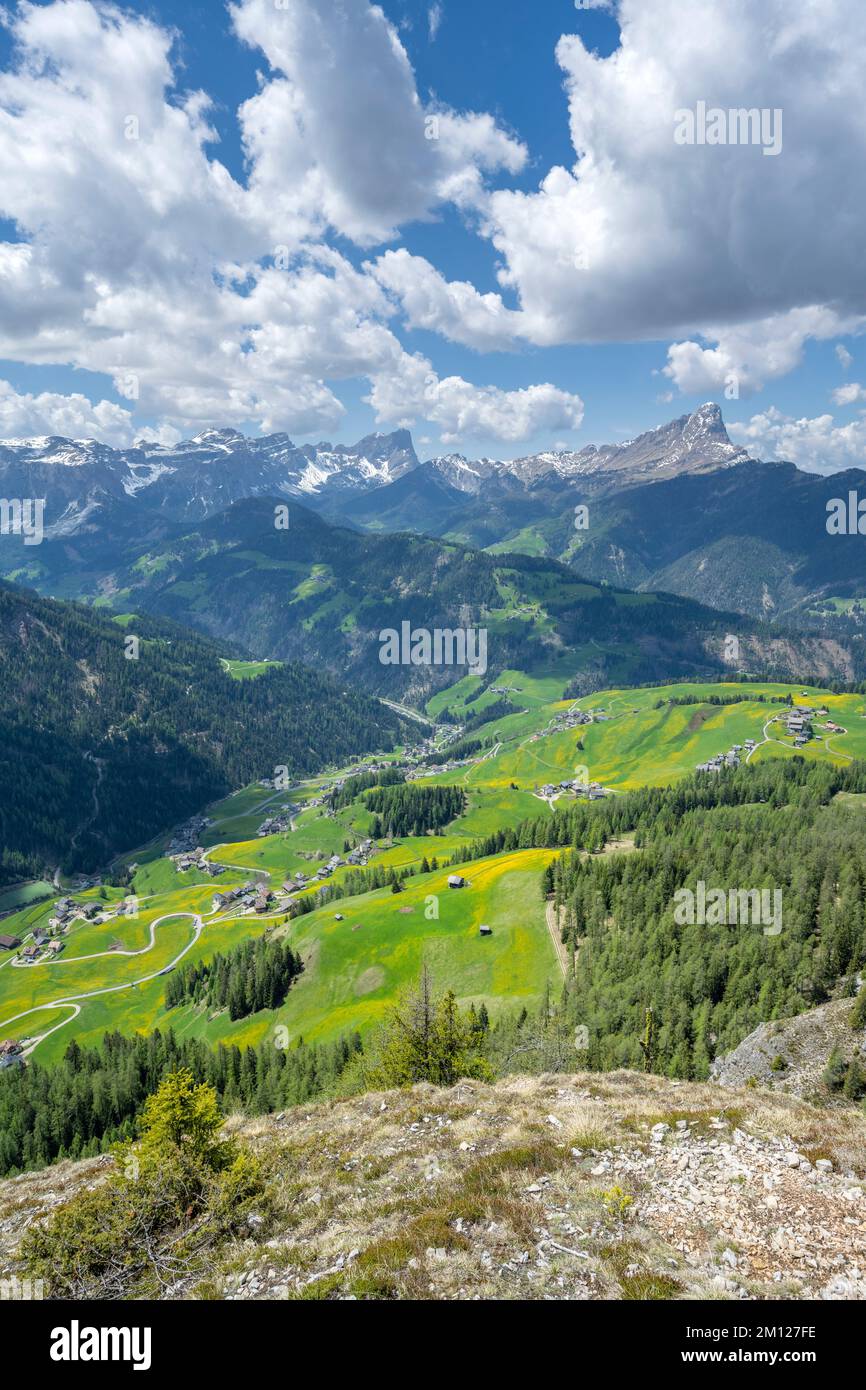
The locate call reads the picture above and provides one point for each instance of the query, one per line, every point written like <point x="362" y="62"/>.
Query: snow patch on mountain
<point x="198" y="477"/>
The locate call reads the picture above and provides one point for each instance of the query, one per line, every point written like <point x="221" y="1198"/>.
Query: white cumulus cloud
<point x="412" y="390"/>
<point x="25" y="416"/>
<point x="340" y="138"/>
<point x="644" y="238"/>
<point x="850" y="394"/>
<point x="817" y="445"/>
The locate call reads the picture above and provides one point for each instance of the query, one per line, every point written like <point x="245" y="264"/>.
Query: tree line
<point x="414" y="810"/>
<point x="254" y="975"/>
<point x="90" y="1100"/>
<point x="98" y="752"/>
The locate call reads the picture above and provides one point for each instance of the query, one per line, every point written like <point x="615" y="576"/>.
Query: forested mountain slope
<point x="318" y="592"/>
<point x="98" y="752"/>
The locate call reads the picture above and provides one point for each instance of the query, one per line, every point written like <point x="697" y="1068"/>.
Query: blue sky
<point x="130" y="241"/>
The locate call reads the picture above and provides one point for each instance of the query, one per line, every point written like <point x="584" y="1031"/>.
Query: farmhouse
<point x="9" y="943"/>
<point x="456" y="881"/>
<point x="484" y="930"/>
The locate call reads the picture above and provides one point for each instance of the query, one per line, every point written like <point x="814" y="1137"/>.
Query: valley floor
<point x="361" y="952"/>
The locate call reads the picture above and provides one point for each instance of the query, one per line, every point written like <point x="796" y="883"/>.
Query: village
<point x="730" y="759"/>
<point x="571" y="718"/>
<point x="186" y="853"/>
<point x="593" y="790"/>
<point x="798" y="723"/>
<point x="47" y="942"/>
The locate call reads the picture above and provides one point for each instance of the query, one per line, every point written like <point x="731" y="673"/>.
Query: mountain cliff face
<point x="696" y="443"/>
<point x="80" y="479"/>
<point x="84" y="482"/>
<point x="680" y="508"/>
<point x="791" y="1054"/>
<point x="594" y="1186"/>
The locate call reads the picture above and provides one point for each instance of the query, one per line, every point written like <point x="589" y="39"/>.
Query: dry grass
<point x="530" y="1188"/>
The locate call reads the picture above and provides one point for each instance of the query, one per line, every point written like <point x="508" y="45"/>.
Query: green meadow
<point x="355" y="967"/>
<point x="641" y="741"/>
<point x="247" y="670"/>
<point x="24" y="893"/>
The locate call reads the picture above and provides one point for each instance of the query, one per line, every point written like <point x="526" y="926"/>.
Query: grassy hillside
<point x="322" y="593"/>
<point x="637" y="743"/>
<point x="751" y="538"/>
<point x="356" y="966"/>
<point x="353" y="968"/>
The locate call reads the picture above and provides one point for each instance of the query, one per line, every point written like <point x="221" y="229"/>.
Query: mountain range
<point x="200" y="476"/>
<point x="680" y="508"/>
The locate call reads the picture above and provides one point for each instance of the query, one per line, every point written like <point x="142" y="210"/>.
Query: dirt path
<point x="491" y="753"/>
<point x="562" y="953"/>
<point x="839" y="752"/>
<point x="550" y="915"/>
<point x="244" y="868"/>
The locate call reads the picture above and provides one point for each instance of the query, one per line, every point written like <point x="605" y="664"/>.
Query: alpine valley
<point x="248" y="864"/>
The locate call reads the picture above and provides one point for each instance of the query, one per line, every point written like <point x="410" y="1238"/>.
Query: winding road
<point x="407" y="712"/>
<point x="827" y="743"/>
<point x="71" y="1000"/>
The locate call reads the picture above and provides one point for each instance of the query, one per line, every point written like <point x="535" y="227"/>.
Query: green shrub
<point x="169" y="1200"/>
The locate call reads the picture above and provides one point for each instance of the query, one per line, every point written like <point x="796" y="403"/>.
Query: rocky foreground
<point x="566" y="1187"/>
